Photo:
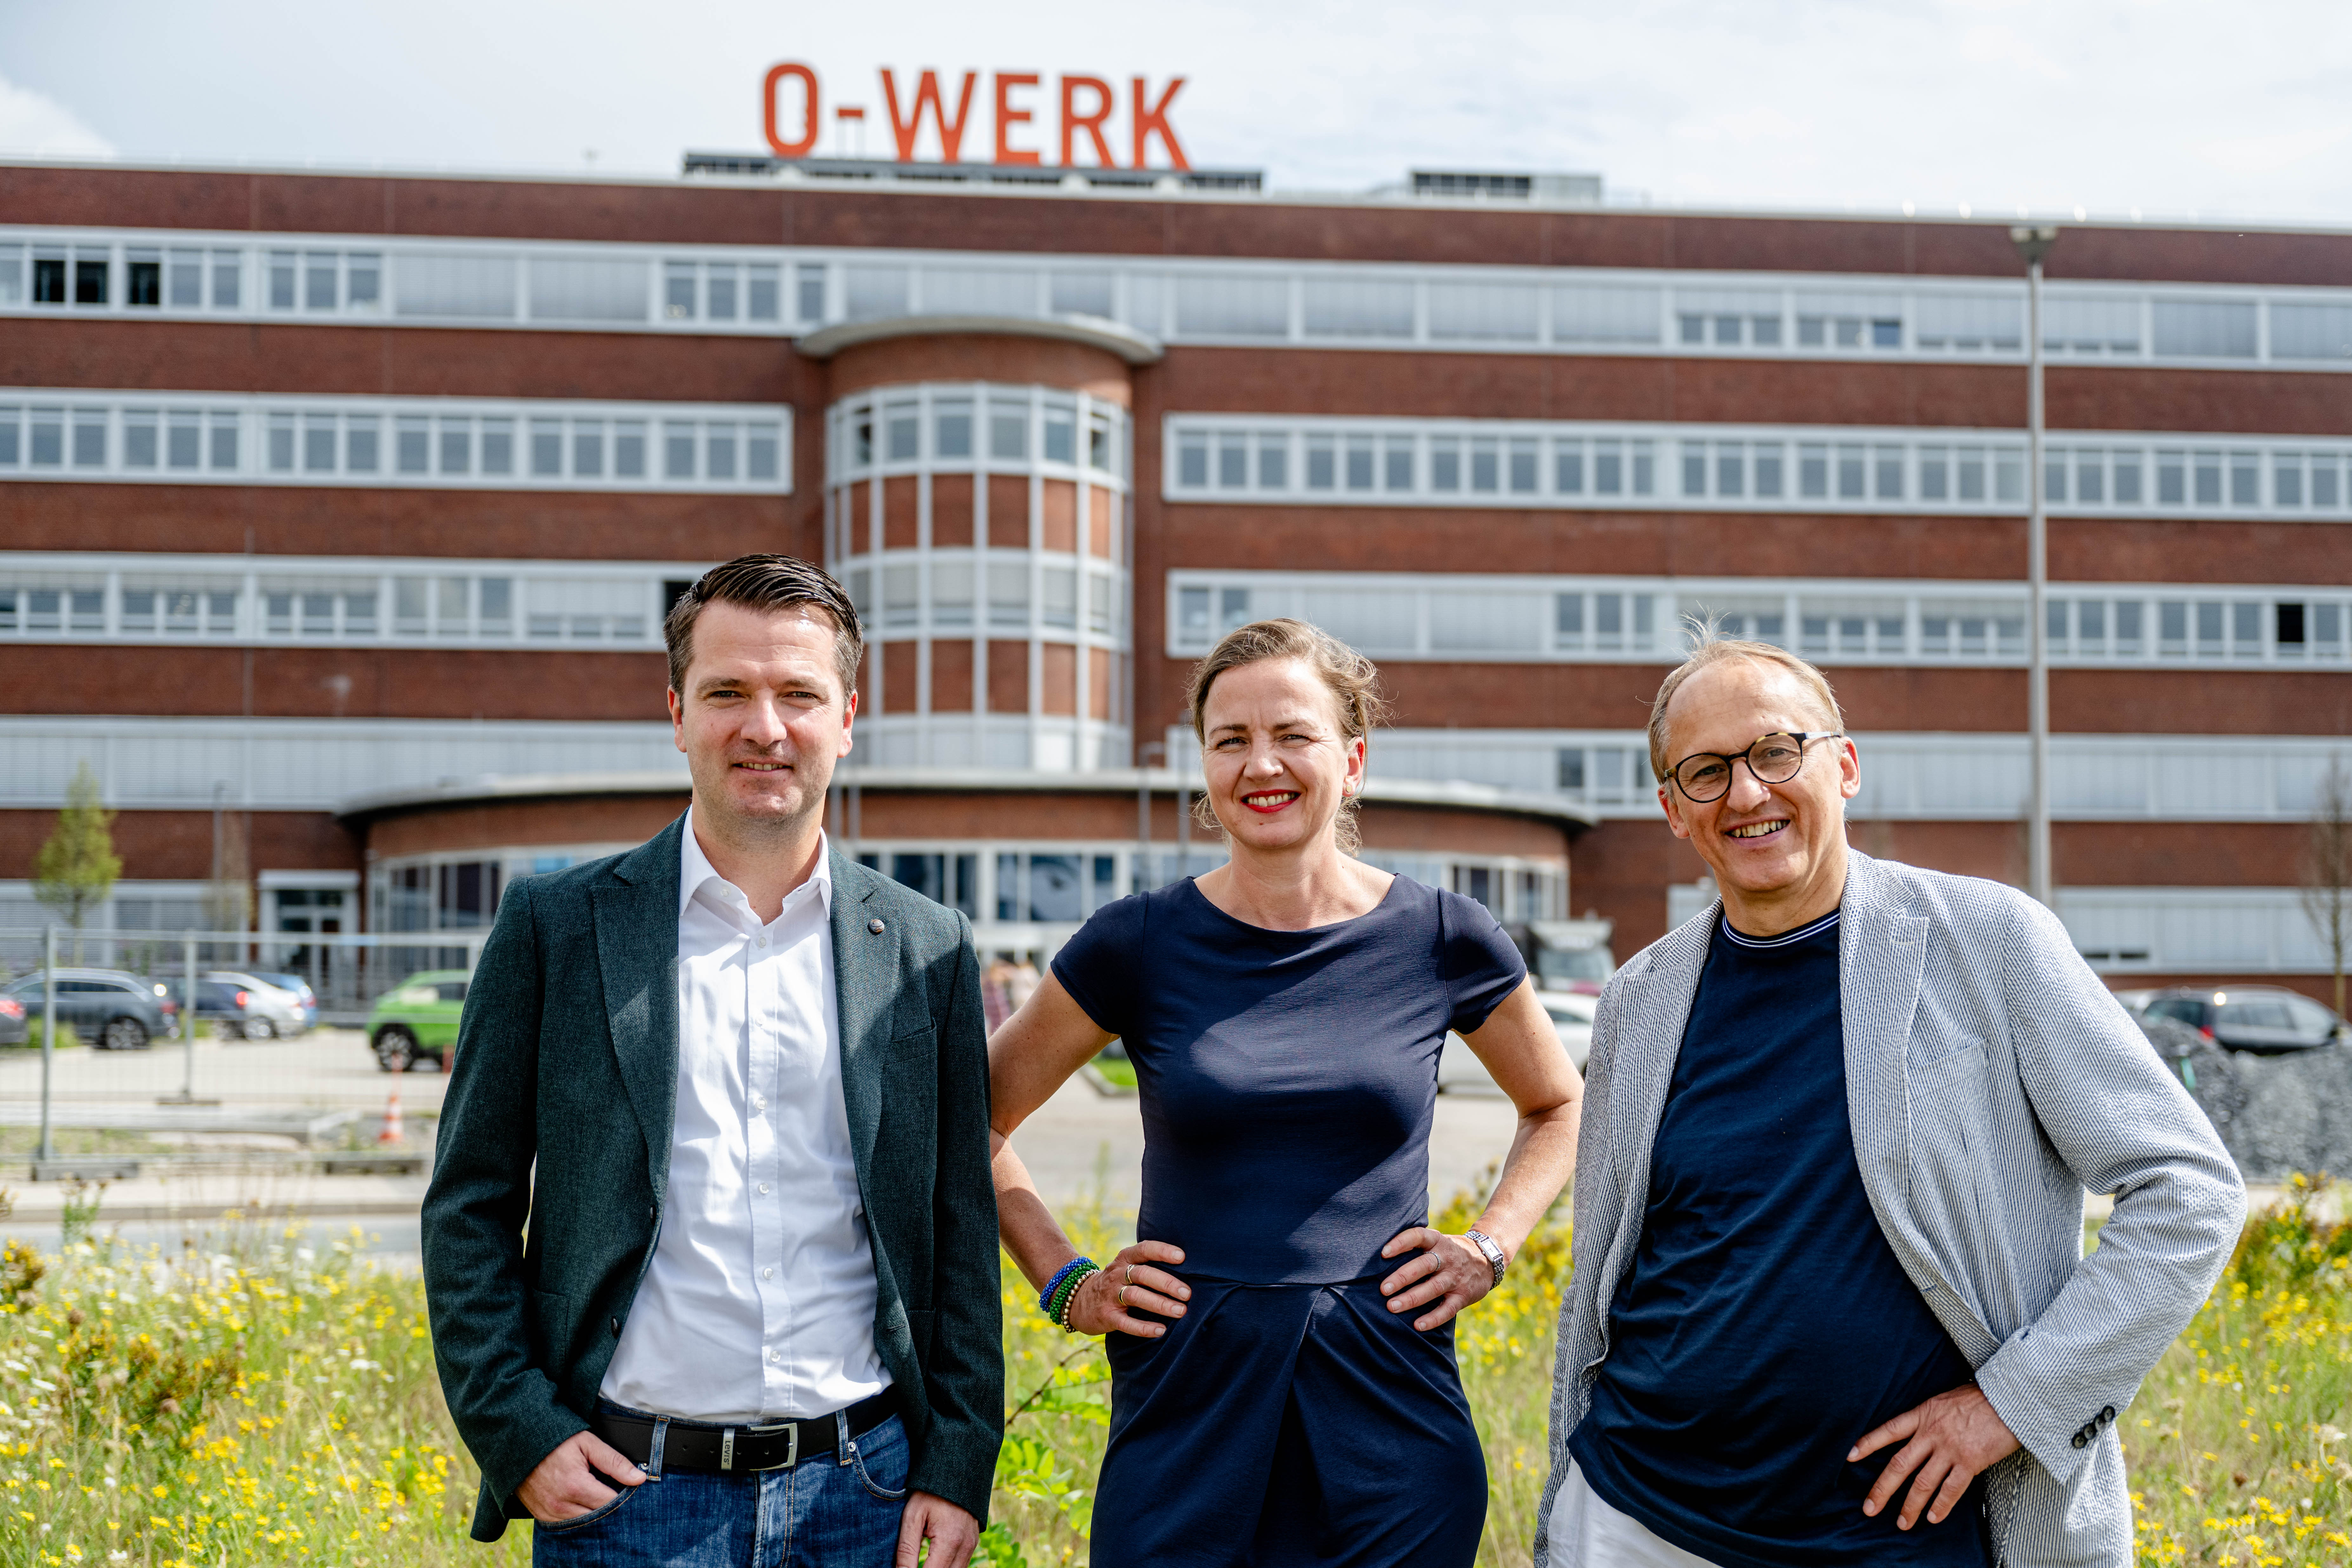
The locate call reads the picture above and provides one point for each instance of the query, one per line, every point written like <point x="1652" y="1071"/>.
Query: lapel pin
<point x="874" y="926"/>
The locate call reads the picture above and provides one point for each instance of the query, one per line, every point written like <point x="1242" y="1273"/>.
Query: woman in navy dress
<point x="1283" y="1382"/>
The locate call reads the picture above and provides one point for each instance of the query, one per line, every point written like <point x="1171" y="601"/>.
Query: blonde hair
<point x="1710" y="650"/>
<point x="1353" y="681"/>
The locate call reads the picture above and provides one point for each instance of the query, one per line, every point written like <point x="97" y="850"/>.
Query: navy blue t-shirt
<point x="1288" y="1077"/>
<point x="1765" y="1325"/>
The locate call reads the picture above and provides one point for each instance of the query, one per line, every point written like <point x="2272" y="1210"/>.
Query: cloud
<point x="34" y="122"/>
<point x="2269" y="154"/>
<point x="2000" y="47"/>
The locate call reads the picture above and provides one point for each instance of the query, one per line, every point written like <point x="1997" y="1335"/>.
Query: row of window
<point x="413" y="442"/>
<point x="1876" y="623"/>
<point x="961" y="425"/>
<point x="469" y="285"/>
<point x="996" y="591"/>
<point x="1240" y="302"/>
<point x="180" y="598"/>
<point x="1485" y="308"/>
<point x="182" y="602"/>
<point x="1376" y="462"/>
<point x="1060" y="884"/>
<point x="1910" y="776"/>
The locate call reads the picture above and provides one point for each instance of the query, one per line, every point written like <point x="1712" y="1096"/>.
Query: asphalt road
<point x="330" y="1067"/>
<point x="1078" y="1141"/>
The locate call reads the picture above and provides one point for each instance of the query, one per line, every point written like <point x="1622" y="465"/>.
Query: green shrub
<point x="68" y="1039"/>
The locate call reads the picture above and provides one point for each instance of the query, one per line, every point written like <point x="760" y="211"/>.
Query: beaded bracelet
<point x="1052" y="1286"/>
<point x="1059" y="1311"/>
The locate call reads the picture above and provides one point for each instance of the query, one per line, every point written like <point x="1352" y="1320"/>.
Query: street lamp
<point x="2034" y="244"/>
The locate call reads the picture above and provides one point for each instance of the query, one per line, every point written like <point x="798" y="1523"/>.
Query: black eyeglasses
<point x="1774" y="759"/>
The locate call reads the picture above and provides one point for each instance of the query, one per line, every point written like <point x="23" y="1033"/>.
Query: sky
<point x="2116" y="107"/>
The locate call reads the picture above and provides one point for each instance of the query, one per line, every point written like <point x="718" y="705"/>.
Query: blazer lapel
<point x="1651" y="1042"/>
<point x="1881" y="954"/>
<point x="864" y="972"/>
<point x="636" y="951"/>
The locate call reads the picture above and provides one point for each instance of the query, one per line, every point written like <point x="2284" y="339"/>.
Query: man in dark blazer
<point x="711" y="1244"/>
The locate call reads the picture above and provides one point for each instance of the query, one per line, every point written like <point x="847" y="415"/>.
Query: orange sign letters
<point x="1088" y="103"/>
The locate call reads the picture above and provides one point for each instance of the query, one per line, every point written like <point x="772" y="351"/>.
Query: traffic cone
<point x="390" y="1132"/>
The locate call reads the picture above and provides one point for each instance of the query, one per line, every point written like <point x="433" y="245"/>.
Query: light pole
<point x="2034" y="244"/>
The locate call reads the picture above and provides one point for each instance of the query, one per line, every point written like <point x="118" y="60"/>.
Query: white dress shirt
<point x="759" y="1302"/>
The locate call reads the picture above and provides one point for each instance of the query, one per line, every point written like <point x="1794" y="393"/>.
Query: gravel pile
<point x="2277" y="1114"/>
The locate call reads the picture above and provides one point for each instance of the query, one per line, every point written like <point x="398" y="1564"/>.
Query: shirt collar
<point x="695" y="871"/>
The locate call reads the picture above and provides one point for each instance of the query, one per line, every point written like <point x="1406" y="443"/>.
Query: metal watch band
<point x="1493" y="1249"/>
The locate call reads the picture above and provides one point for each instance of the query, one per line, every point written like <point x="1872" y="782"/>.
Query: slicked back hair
<point x="1713" y="650"/>
<point x="770" y="583"/>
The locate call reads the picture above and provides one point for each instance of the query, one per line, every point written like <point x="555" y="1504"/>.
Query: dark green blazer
<point x="568" y="1059"/>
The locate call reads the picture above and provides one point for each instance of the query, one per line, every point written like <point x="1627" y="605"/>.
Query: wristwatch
<point x="1492" y="1249"/>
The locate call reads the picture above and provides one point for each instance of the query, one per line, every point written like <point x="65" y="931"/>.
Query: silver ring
<point x="1122" y="1296"/>
<point x="1130" y="1274"/>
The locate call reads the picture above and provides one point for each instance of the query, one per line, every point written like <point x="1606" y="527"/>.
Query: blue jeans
<point x="833" y="1511"/>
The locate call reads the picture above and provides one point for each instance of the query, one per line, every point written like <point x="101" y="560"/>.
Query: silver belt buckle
<point x="792" y="1446"/>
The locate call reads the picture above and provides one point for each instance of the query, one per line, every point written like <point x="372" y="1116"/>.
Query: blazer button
<point x="2108" y="1413"/>
<point x="874" y="926"/>
<point x="2080" y="1441"/>
<point x="616" y="1329"/>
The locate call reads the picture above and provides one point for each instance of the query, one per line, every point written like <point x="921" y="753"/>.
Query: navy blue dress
<point x="1287" y="1079"/>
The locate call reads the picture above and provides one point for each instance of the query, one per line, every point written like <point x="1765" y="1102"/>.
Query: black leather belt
<point x="737" y="1450"/>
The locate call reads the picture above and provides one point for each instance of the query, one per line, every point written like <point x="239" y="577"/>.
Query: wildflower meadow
<point x="245" y="1400"/>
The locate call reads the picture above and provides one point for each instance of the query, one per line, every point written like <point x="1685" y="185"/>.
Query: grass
<point x="246" y="1401"/>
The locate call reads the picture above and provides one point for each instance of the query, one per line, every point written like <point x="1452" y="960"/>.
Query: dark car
<point x="2269" y="1019"/>
<point x="109" y="1009"/>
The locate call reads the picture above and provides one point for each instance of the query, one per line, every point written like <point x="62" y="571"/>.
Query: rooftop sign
<point x="792" y="114"/>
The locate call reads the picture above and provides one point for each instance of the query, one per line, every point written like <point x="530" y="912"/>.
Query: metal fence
<point x="189" y="1085"/>
<point x="346" y="972"/>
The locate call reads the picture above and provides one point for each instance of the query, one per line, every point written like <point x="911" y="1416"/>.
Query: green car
<point x="417" y="1020"/>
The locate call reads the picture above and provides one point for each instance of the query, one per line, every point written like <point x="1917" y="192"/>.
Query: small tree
<point x="77" y="868"/>
<point x="2328" y="874"/>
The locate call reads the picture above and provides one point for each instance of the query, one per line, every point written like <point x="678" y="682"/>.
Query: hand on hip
<point x="1108" y="1302"/>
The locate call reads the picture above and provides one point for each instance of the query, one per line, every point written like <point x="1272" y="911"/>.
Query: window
<point x="2205" y="329"/>
<point x="1444" y="463"/>
<point x="679" y="291"/>
<point x="1272" y="460"/>
<point x="1061" y="433"/>
<point x="413" y="449"/>
<point x="2302" y="332"/>
<point x="1008" y="435"/>
<point x="1606" y="314"/>
<point x="142" y="283"/>
<point x="141" y="428"/>
<point x="1971" y="323"/>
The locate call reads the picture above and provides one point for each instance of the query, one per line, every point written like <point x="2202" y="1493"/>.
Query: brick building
<point x="338" y="515"/>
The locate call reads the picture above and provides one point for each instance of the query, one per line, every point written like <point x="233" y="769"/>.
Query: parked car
<point x="111" y="1009"/>
<point x="2269" y="1019"/>
<point x="417" y="1020"/>
<point x="16" y="1021"/>
<point x="1459" y="1070"/>
<point x="294" y="985"/>
<point x="1571" y="955"/>
<point x="271" y="1011"/>
<point x="240" y="1009"/>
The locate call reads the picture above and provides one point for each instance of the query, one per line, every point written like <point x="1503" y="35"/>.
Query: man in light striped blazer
<point x="1830" y="1305"/>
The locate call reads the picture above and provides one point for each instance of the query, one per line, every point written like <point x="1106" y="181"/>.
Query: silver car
<point x="1459" y="1070"/>
<point x="272" y="1011"/>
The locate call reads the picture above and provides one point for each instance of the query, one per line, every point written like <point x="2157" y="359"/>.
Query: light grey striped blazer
<point x="1991" y="1079"/>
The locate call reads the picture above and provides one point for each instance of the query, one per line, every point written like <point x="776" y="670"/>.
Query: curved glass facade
<point x="984" y="532"/>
